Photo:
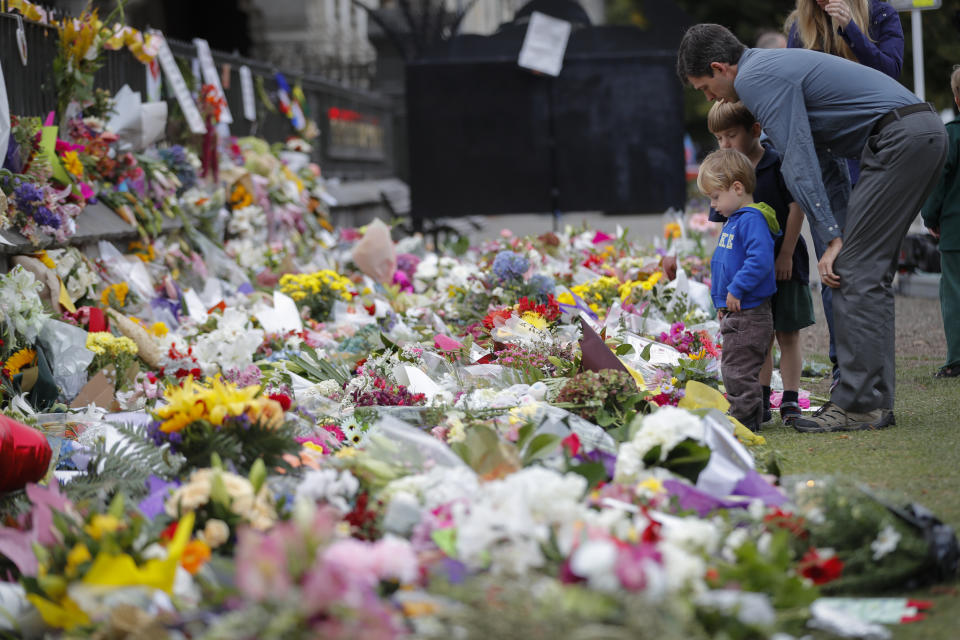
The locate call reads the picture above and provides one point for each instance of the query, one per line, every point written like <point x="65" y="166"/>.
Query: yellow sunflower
<point x="19" y="360"/>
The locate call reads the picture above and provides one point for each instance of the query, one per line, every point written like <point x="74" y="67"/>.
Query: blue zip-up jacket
<point x="884" y="53"/>
<point x="742" y="263"/>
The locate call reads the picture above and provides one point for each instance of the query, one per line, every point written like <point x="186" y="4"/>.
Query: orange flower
<point x="195" y="555"/>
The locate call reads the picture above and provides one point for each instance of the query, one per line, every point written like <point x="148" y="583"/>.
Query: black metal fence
<point x="356" y="127"/>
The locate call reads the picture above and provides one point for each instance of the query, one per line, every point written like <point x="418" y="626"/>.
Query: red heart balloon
<point x="24" y="455"/>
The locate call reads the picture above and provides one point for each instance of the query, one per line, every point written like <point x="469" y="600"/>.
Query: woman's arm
<point x="885" y="52"/>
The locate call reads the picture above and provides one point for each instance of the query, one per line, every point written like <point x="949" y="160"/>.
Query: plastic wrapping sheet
<point x="65" y="344"/>
<point x="843" y="623"/>
<point x="219" y="263"/>
<point x="19" y="616"/>
<point x="561" y="422"/>
<point x="661" y="355"/>
<point x="310" y="399"/>
<point x="729" y="460"/>
<point x="137" y="124"/>
<point x="416" y="451"/>
<point x="375" y="254"/>
<point x="120" y="269"/>
<point x="697" y="293"/>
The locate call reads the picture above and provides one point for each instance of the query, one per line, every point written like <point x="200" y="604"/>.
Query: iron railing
<point x="360" y="146"/>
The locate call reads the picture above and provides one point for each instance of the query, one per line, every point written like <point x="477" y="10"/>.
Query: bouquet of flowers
<point x="239" y="424"/>
<point x="39" y="211"/>
<point x="77" y="559"/>
<point x="874" y="545"/>
<point x="670" y="438"/>
<point x="317" y="292"/>
<point x="113" y="355"/>
<point x="302" y="579"/>
<point x="608" y="398"/>
<point x="222" y="501"/>
<point x="21" y="309"/>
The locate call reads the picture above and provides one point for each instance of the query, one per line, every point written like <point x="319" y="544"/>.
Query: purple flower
<point x="407" y="262"/>
<point x="46" y="218"/>
<point x="27" y="192"/>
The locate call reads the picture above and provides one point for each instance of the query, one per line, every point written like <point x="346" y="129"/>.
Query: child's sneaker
<point x="789" y="412"/>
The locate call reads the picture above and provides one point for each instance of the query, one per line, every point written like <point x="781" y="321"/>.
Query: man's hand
<point x="784" y="266"/>
<point x="733" y="304"/>
<point x="670" y="267"/>
<point x="825" y="266"/>
<point x="934" y="231"/>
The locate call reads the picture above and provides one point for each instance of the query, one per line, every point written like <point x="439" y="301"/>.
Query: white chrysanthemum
<point x="596" y="560"/>
<point x="693" y="534"/>
<point x="247" y="221"/>
<point x="336" y="488"/>
<point x="683" y="571"/>
<point x="428" y="268"/>
<point x="511" y="518"/>
<point x="666" y="428"/>
<point x="230" y="346"/>
<point x="439" y="486"/>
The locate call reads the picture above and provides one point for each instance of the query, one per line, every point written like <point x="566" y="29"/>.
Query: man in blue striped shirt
<point x="818" y="109"/>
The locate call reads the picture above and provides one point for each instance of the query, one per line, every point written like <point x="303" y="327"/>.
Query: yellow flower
<point x="103" y="524"/>
<point x="77" y="556"/>
<point x="652" y="485"/>
<point x="19" y="360"/>
<point x="214" y="402"/>
<point x="565" y="298"/>
<point x="71" y="162"/>
<point x="27" y="9"/>
<point x="119" y="292"/>
<point x="159" y="329"/>
<point x="672" y="230"/>
<point x="627" y="288"/>
<point x="534" y="318"/>
<point x="45" y="259"/>
<point x="102" y="343"/>
<point x="345" y="453"/>
<point x="145" y="252"/>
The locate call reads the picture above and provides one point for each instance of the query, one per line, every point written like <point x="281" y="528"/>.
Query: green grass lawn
<point x="920" y="458"/>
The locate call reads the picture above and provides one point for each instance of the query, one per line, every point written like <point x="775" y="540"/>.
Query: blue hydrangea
<point x="509" y="266"/>
<point x="541" y="286"/>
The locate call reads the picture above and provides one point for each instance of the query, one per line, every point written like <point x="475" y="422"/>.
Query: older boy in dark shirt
<point x="736" y="128"/>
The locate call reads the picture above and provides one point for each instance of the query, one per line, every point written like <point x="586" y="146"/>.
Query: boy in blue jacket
<point x="743" y="278"/>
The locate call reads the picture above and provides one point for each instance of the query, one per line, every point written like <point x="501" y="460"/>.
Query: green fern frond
<point x="122" y="469"/>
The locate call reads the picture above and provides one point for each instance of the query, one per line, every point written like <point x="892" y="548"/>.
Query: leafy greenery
<point x="687" y="459"/>
<point x="122" y="469"/>
<point x="242" y="445"/>
<point x="608" y="398"/>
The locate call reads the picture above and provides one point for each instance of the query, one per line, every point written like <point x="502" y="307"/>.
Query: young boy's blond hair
<point x="722" y="168"/>
<point x="727" y="115"/>
<point x="955" y="81"/>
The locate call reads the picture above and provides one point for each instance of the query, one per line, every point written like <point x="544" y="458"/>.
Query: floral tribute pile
<point x="521" y="439"/>
<point x="253" y="425"/>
